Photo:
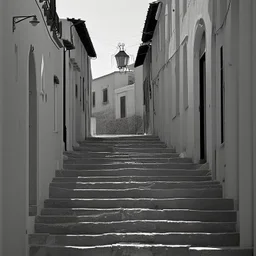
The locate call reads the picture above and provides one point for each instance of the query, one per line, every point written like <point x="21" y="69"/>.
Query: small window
<point x="123" y="107"/>
<point x="93" y="99"/>
<point x="105" y="95"/>
<point x="76" y="91"/>
<point x="81" y="89"/>
<point x="55" y="92"/>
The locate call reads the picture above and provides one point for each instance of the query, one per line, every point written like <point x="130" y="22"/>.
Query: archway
<point x="33" y="134"/>
<point x="200" y="90"/>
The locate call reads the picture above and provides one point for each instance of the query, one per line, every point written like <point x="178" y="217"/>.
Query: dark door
<point x="123" y="107"/>
<point x="32" y="134"/>
<point x="202" y="107"/>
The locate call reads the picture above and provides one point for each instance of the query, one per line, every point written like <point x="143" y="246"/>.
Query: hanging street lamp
<point x="122" y="58"/>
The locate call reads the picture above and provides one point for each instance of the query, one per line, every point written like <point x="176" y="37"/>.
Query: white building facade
<point x="31" y="116"/>
<point x="113" y="104"/>
<point x="78" y="82"/>
<point x="199" y="87"/>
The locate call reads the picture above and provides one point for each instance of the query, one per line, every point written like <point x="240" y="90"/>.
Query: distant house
<point x="114" y="104"/>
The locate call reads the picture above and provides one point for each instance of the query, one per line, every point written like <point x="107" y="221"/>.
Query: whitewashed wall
<point x="77" y="116"/>
<point x="1" y="123"/>
<point x="176" y="119"/>
<point x="16" y="223"/>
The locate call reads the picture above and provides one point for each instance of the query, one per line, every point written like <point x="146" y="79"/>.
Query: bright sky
<point x="108" y="23"/>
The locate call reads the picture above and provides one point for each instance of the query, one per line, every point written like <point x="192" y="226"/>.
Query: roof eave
<point x="84" y="37"/>
<point x="150" y="23"/>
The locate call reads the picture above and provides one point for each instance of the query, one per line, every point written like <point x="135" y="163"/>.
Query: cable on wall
<point x="46" y="25"/>
<point x="225" y="18"/>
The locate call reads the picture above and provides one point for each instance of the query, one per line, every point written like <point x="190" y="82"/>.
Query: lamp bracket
<point x="18" y="19"/>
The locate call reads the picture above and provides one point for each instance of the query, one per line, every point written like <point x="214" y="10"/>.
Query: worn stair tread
<point x="160" y="226"/>
<point x="127" y="160"/>
<point x="131" y="178"/>
<point x="136" y="184"/>
<point x="131" y="172"/>
<point x="55" y="215"/>
<point x="136" y="193"/>
<point x="185" y="238"/>
<point x="144" y="182"/>
<point x="109" y="155"/>
<point x="131" y="249"/>
<point x="138" y="245"/>
<point x="168" y="203"/>
<point x="132" y="165"/>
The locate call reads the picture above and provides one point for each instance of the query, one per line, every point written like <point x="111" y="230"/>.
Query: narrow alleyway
<point x="133" y="196"/>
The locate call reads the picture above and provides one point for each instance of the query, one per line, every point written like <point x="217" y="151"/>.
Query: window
<point x="122" y="106"/>
<point x="80" y="89"/>
<point x="76" y="91"/>
<point x="105" y="95"/>
<point x="55" y="98"/>
<point x="93" y="99"/>
<point x="222" y="95"/>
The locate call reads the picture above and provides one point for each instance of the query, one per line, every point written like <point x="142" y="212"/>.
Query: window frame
<point x="105" y="101"/>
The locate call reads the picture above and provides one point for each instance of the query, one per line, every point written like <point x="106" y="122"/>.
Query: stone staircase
<point x="132" y="196"/>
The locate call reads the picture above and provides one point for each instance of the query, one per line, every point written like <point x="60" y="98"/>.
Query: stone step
<point x="81" y="154"/>
<point x="124" y="145"/>
<point x="121" y="142"/>
<point x="149" y="203"/>
<point x="131" y="172"/>
<point x="125" y="150"/>
<point x="123" y="138"/>
<point x="193" y="239"/>
<point x="126" y="160"/>
<point x="130" y="226"/>
<point x="132" y="178"/>
<point x="136" y="193"/>
<point x="69" y="215"/>
<point x="135" y="184"/>
<point x="121" y="165"/>
<point x="131" y="249"/>
<point x="223" y="251"/>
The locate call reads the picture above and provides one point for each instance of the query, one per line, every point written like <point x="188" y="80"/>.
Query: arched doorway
<point x="202" y="98"/>
<point x="200" y="90"/>
<point x="33" y="134"/>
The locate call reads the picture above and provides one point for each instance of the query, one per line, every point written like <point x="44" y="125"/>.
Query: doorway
<point x="202" y="107"/>
<point x="33" y="134"/>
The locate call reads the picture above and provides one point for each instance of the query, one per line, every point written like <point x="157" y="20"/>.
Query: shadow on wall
<point x="128" y="125"/>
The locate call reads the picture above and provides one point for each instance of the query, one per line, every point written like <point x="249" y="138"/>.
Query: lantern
<point x="122" y="58"/>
